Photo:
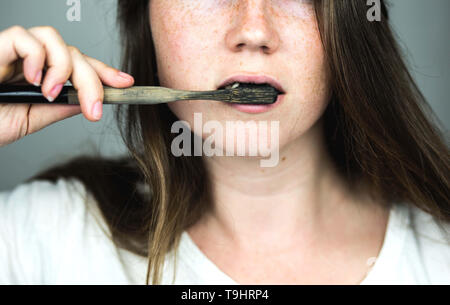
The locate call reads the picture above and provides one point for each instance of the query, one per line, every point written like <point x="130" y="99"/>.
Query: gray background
<point x="422" y="26"/>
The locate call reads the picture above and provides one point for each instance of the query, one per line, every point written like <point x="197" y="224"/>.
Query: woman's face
<point x="201" y="43"/>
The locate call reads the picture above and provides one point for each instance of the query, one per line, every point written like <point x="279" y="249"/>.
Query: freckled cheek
<point x="313" y="89"/>
<point x="309" y="92"/>
<point x="321" y="72"/>
<point x="186" y="58"/>
<point x="311" y="58"/>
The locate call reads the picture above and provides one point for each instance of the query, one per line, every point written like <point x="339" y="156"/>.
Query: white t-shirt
<point x="50" y="235"/>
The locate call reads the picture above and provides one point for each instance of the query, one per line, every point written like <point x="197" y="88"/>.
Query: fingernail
<point x="37" y="78"/>
<point x="97" y="110"/>
<point x="125" y="75"/>
<point x="54" y="92"/>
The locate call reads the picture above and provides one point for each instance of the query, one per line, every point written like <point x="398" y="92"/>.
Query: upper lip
<point x="256" y="79"/>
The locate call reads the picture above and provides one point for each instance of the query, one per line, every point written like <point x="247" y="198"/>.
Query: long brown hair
<point x="378" y="127"/>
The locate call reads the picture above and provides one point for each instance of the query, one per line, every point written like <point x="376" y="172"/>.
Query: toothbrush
<point x="144" y="95"/>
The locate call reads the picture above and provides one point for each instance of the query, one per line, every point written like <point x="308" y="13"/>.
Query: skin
<point x="23" y="55"/>
<point x="182" y="43"/>
<point x="299" y="216"/>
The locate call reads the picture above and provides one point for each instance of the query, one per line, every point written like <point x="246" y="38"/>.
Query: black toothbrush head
<point x="253" y="94"/>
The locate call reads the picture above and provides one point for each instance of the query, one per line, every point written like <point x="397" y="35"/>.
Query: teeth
<point x="237" y="84"/>
<point x="232" y="86"/>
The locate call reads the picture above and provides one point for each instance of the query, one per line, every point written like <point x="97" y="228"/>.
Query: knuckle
<point x="16" y="30"/>
<point x="48" y="30"/>
<point x="74" y="50"/>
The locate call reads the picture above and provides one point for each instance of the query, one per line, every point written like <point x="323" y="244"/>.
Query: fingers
<point x="44" y="46"/>
<point x="16" y="42"/>
<point x="110" y="76"/>
<point x="42" y="115"/>
<point x="89" y="87"/>
<point x="65" y="62"/>
<point x="59" y="62"/>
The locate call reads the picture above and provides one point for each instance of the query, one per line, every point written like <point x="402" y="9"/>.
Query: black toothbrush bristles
<point x="254" y="94"/>
<point x="240" y="93"/>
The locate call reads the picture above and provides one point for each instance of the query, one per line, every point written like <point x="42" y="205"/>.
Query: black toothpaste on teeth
<point x="257" y="94"/>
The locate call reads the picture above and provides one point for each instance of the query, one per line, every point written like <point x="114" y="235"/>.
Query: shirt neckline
<point x="205" y="269"/>
<point x="391" y="249"/>
<point x="384" y="263"/>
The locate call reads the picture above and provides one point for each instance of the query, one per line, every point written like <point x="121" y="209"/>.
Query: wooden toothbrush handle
<point x="28" y="94"/>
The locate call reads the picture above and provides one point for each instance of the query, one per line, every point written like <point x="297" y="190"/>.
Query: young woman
<point x="360" y="194"/>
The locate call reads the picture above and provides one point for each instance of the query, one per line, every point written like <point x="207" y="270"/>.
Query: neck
<point x="252" y="203"/>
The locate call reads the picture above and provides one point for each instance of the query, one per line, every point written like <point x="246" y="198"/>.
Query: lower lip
<point x="258" y="108"/>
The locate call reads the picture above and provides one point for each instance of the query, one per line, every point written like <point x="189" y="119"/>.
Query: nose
<point x="252" y="28"/>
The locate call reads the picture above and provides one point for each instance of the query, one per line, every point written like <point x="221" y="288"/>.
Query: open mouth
<point x="235" y="85"/>
<point x="252" y="93"/>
